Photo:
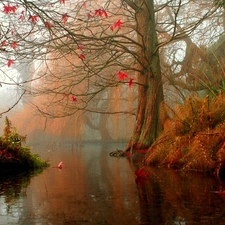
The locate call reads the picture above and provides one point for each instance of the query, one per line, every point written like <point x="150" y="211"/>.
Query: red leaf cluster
<point x="9" y="9"/>
<point x="33" y="18"/>
<point x="123" y="76"/>
<point x="101" y="12"/>
<point x="116" y="25"/>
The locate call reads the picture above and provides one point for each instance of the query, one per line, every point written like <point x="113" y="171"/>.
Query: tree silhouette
<point x="81" y="49"/>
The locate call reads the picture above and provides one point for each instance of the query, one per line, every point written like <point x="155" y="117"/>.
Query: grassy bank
<point x="13" y="155"/>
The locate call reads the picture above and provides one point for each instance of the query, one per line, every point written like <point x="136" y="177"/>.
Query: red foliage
<point x="10" y="62"/>
<point x="141" y="176"/>
<point x="101" y="12"/>
<point x="8" y="9"/>
<point x="4" y="43"/>
<point x="116" y="25"/>
<point x="65" y="18"/>
<point x="60" y="165"/>
<point x="81" y="47"/>
<point x="131" y="82"/>
<point x="82" y="57"/>
<point x="122" y="75"/>
<point x="141" y="172"/>
<point x="33" y="18"/>
<point x="74" y="99"/>
<point x="13" y="45"/>
<point x="89" y="15"/>
<point x="48" y="25"/>
<point x="21" y="17"/>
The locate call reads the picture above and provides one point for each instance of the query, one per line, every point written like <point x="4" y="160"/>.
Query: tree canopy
<point x="86" y="55"/>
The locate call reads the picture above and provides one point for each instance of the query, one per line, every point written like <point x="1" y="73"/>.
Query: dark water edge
<point x="94" y="188"/>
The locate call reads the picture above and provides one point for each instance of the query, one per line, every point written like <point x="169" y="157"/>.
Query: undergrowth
<point x="196" y="139"/>
<point x="14" y="154"/>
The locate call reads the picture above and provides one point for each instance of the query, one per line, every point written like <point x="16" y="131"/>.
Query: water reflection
<point x="94" y="188"/>
<point x="176" y="198"/>
<point x="12" y="191"/>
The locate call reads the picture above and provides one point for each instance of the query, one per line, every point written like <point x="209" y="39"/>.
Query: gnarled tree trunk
<point x="150" y="93"/>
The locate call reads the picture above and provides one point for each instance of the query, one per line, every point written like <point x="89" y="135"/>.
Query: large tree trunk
<point x="150" y="93"/>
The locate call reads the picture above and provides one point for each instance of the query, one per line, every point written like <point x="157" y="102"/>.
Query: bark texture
<point x="150" y="93"/>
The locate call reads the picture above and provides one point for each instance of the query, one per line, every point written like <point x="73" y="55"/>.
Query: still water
<point x="94" y="188"/>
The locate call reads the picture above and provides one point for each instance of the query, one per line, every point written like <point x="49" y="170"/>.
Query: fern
<point x="197" y="140"/>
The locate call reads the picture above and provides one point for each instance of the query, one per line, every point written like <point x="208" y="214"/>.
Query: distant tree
<point x="81" y="49"/>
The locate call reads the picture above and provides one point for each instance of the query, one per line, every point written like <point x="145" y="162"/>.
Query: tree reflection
<point x="12" y="188"/>
<point x="172" y="197"/>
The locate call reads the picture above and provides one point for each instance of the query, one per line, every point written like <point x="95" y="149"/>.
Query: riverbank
<point x="14" y="156"/>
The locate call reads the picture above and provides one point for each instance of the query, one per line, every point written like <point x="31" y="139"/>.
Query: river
<point x="94" y="188"/>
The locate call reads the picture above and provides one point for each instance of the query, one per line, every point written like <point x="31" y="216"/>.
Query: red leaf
<point x="10" y="62"/>
<point x="48" y="25"/>
<point x="105" y="13"/>
<point x="122" y="75"/>
<point x="60" y="165"/>
<point x="141" y="172"/>
<point x="116" y="25"/>
<point x="62" y="1"/>
<point x="13" y="45"/>
<point x="82" y="57"/>
<point x="14" y="8"/>
<point x="8" y="8"/>
<point x="101" y="12"/>
<point x="65" y="18"/>
<point x="89" y="15"/>
<point x="131" y="82"/>
<point x="21" y="17"/>
<point x="33" y="18"/>
<point x="74" y="99"/>
<point x="4" y="43"/>
<point x="81" y="47"/>
<point x="98" y="12"/>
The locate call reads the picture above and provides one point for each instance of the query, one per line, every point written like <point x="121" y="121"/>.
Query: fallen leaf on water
<point x="60" y="165"/>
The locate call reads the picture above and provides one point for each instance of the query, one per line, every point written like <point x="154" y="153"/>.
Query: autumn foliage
<point x="196" y="141"/>
<point x="15" y="156"/>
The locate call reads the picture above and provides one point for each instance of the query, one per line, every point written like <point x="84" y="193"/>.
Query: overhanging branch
<point x="13" y="104"/>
